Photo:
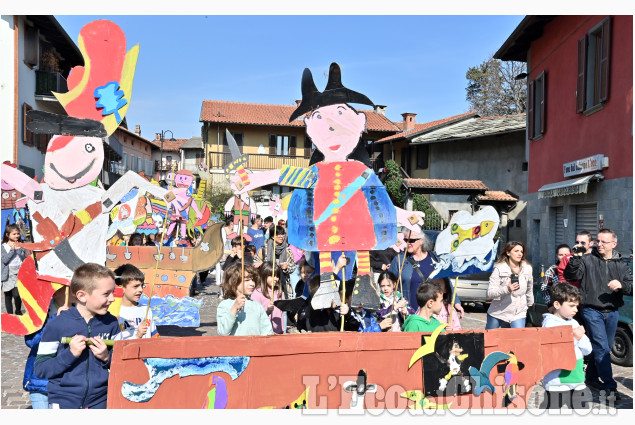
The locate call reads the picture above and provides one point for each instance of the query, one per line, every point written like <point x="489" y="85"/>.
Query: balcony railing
<point x="166" y="165"/>
<point x="258" y="161"/>
<point x="47" y="82"/>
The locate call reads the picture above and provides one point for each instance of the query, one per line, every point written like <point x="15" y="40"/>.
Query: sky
<point x="408" y="63"/>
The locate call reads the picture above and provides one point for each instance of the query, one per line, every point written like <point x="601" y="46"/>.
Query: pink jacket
<point x="276" y="317"/>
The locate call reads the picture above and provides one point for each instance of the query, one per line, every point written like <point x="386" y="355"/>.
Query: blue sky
<point x="409" y="63"/>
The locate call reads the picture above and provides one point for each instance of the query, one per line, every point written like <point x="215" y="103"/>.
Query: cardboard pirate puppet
<point x="69" y="209"/>
<point x="338" y="203"/>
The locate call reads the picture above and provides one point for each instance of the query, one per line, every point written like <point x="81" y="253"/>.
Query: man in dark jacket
<point x="604" y="279"/>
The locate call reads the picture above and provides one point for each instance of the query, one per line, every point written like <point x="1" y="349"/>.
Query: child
<point x="35" y="385"/>
<point x="12" y="258"/>
<point x="305" y="272"/>
<point x="78" y="372"/>
<point x="237" y="254"/>
<point x="367" y="322"/>
<point x="430" y="301"/>
<point x="250" y="250"/>
<point x="444" y="316"/>
<point x="131" y="314"/>
<point x="388" y="291"/>
<point x="270" y="281"/>
<point x="236" y="314"/>
<point x="329" y="319"/>
<point x="565" y="383"/>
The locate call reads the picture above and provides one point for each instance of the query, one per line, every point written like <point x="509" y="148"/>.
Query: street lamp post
<point x="172" y="139"/>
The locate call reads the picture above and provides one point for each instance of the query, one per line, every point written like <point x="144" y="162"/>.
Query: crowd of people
<point x="583" y="289"/>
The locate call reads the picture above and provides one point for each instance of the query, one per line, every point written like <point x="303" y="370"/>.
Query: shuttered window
<point x="283" y="145"/>
<point x="594" y="54"/>
<point x="27" y="135"/>
<point x="308" y="145"/>
<point x="586" y="218"/>
<point x="537" y="106"/>
<point x="422" y="157"/>
<point x="559" y="226"/>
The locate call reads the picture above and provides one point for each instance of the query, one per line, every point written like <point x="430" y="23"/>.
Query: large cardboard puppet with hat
<point x="338" y="204"/>
<point x="69" y="209"/>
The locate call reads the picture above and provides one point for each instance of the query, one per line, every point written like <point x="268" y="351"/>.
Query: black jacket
<point x="594" y="274"/>
<point x="379" y="258"/>
<point x="325" y="320"/>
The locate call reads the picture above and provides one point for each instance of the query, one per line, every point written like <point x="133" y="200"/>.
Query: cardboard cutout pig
<point x="339" y="204"/>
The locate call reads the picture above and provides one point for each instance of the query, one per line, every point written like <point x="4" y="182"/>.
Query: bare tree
<point x="493" y="90"/>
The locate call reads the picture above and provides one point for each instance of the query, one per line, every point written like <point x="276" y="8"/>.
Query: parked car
<point x="622" y="351"/>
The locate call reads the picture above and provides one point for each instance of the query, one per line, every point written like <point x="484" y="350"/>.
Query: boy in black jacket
<point x="77" y="372"/>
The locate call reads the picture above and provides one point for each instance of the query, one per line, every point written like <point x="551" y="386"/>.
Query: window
<point x="27" y="136"/>
<point x="594" y="50"/>
<point x="308" y="146"/>
<point x="125" y="161"/>
<point x="422" y="157"/>
<point x="31" y="45"/>
<point x="282" y="145"/>
<point x="237" y="136"/>
<point x="536" y="109"/>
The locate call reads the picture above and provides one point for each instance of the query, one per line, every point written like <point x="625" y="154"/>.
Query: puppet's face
<point x="73" y="161"/>
<point x="335" y="130"/>
<point x="9" y="198"/>
<point x="181" y="180"/>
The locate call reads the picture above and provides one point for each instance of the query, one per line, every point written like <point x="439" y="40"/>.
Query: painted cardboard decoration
<point x="140" y="370"/>
<point x="467" y="245"/>
<point x="241" y="207"/>
<point x="338" y="203"/>
<point x="184" y="207"/>
<point x="174" y="311"/>
<point x="446" y="371"/>
<point x="70" y="209"/>
<point x="101" y="89"/>
<point x="13" y="207"/>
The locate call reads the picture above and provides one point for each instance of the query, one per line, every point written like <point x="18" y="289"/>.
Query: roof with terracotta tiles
<point x="496" y="195"/>
<point x="445" y="184"/>
<point x="222" y="111"/>
<point x="169" y="145"/>
<point x="135" y="135"/>
<point x="420" y="128"/>
<point x="474" y="127"/>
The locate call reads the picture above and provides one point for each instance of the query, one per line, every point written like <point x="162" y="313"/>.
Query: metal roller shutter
<point x="559" y="226"/>
<point x="586" y="218"/>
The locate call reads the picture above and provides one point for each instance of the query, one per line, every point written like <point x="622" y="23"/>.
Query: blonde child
<point x="270" y="281"/>
<point x="132" y="316"/>
<point x="387" y="293"/>
<point x="444" y="315"/>
<point x="236" y="314"/>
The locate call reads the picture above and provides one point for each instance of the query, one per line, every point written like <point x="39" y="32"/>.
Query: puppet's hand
<point x="404" y="218"/>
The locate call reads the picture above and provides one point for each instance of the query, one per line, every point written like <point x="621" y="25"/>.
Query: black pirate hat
<point x="333" y="94"/>
<point x="42" y="122"/>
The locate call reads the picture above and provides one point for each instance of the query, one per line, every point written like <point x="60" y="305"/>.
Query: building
<point x="136" y="154"/>
<point x="42" y="55"/>
<point x="263" y="131"/>
<point x="167" y="156"/>
<point x="193" y="155"/>
<point x="579" y="139"/>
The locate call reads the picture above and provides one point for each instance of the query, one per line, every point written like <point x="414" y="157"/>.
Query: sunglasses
<point x="411" y="240"/>
<point x="580" y="242"/>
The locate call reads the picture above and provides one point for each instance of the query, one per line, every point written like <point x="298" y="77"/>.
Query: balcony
<point x="258" y="162"/>
<point x="47" y="82"/>
<point x="166" y="165"/>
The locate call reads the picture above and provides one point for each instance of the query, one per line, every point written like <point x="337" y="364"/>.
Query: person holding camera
<point x="584" y="243"/>
<point x="511" y="287"/>
<point x="604" y="280"/>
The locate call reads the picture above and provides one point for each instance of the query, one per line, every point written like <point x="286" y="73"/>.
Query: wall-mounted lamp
<point x="601" y="221"/>
<point x="520" y="76"/>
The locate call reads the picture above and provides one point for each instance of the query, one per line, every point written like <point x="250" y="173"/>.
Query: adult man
<point x="604" y="279"/>
<point x="257" y="236"/>
<point x="417" y="267"/>
<point x="583" y="239"/>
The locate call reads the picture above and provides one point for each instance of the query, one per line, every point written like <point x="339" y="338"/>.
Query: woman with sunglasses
<point x="416" y="267"/>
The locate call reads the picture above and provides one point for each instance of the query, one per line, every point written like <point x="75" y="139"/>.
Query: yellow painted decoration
<point x="428" y="347"/>
<point x="422" y="402"/>
<point x="83" y="216"/>
<point x="285" y="201"/>
<point x="334" y="239"/>
<point x="470" y="234"/>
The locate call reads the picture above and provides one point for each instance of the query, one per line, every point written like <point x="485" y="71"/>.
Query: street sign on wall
<point x="585" y="165"/>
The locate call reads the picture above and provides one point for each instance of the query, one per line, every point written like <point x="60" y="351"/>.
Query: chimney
<point x="297" y="102"/>
<point x="380" y="109"/>
<point x="137" y="129"/>
<point x="158" y="136"/>
<point x="408" y="121"/>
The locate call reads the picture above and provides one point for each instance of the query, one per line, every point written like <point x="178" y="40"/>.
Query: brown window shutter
<point x="530" y="111"/>
<point x="605" y="59"/>
<point x="543" y="101"/>
<point x="581" y="92"/>
<point x="272" y="144"/>
<point x="307" y="146"/>
<point x="292" y="145"/>
<point x="27" y="135"/>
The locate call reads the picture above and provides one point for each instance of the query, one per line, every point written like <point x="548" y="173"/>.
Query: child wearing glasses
<point x="132" y="316"/>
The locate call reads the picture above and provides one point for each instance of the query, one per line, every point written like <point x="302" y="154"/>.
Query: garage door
<point x="586" y="218"/>
<point x="559" y="226"/>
